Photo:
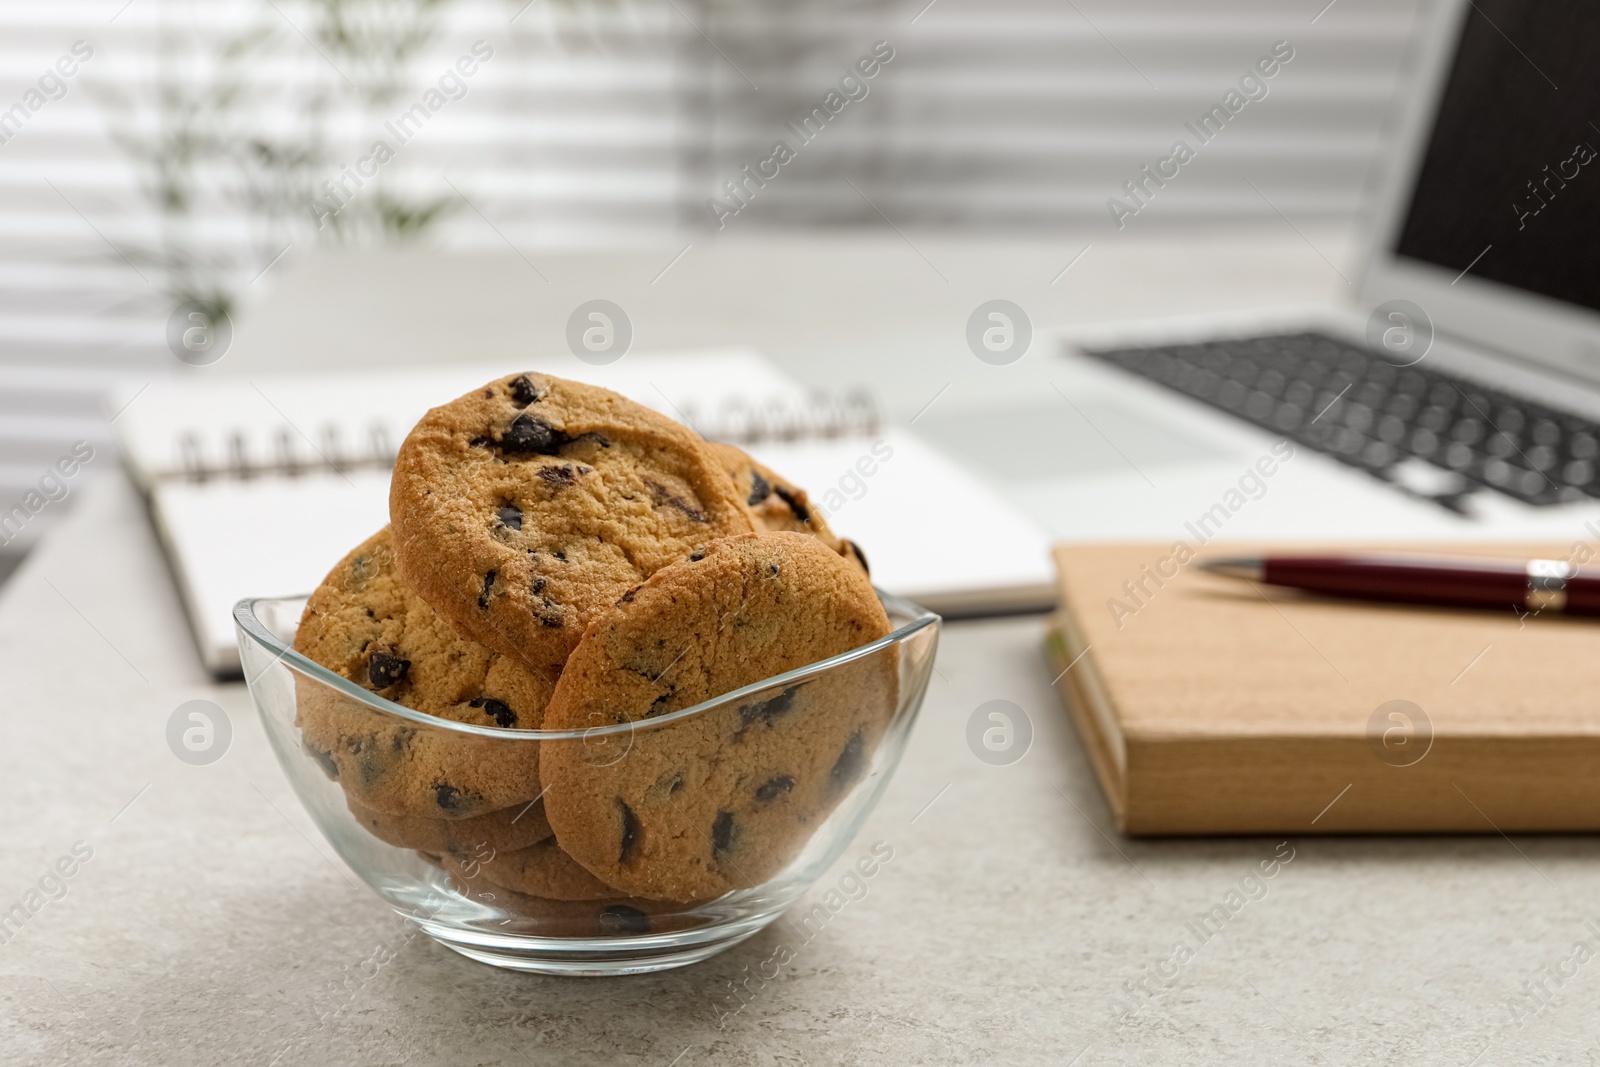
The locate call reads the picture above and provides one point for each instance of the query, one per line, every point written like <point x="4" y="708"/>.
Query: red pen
<point x="1543" y="585"/>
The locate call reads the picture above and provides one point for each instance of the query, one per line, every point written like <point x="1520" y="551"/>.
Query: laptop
<point x="1456" y="395"/>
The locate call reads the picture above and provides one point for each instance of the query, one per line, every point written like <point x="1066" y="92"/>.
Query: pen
<point x="1523" y="585"/>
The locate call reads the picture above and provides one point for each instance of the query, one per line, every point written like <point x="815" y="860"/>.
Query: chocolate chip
<point x="560" y="554"/>
<point x="447" y="796"/>
<point x="775" y="788"/>
<point x="847" y="768"/>
<point x="370" y="760"/>
<point x="768" y="709"/>
<point x="510" y="517"/>
<point x="627" y="598"/>
<point x="554" y="622"/>
<point x="796" y="505"/>
<point x="361" y="569"/>
<point x="621" y="919"/>
<point x="861" y="557"/>
<point x="538" y="585"/>
<point x="483" y="597"/>
<point x="324" y="759"/>
<point x="531" y="436"/>
<point x="385" y="669"/>
<point x="523" y="391"/>
<point x="772" y="570"/>
<point x="696" y="557"/>
<point x="498" y="710"/>
<point x="760" y="488"/>
<point x="661" y="704"/>
<point x="722" y="833"/>
<point x="630" y="832"/>
<point x="556" y="477"/>
<point x="661" y="496"/>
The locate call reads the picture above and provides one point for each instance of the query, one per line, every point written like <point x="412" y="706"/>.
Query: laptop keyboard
<point x="1349" y="402"/>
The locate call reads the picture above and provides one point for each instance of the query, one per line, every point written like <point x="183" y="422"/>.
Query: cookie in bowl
<point x="517" y="827"/>
<point x="721" y="800"/>
<point x="777" y="504"/>
<point x="522" y="510"/>
<point x="540" y="870"/>
<point x="365" y="624"/>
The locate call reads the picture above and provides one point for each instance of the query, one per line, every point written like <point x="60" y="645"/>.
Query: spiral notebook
<point x="257" y="487"/>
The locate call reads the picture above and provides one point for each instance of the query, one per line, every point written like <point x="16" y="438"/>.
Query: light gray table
<point x="213" y="925"/>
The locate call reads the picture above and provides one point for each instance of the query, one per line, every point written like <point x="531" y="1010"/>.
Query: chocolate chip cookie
<point x="508" y="829"/>
<point x="612" y="916"/>
<point x="540" y="870"/>
<point x="776" y="503"/>
<point x="522" y="510"/>
<point x="725" y="798"/>
<point x="365" y="624"/>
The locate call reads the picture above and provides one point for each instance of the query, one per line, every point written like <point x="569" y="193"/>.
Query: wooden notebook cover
<point x="1211" y="705"/>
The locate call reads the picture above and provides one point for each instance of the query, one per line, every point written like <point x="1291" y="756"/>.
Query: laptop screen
<point x="1509" y="188"/>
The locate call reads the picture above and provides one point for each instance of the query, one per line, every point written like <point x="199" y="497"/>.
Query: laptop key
<point x="1347" y="401"/>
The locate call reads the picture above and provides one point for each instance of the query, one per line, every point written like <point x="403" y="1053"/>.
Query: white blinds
<point x="1032" y="113"/>
<point x="570" y="128"/>
<point x="616" y="120"/>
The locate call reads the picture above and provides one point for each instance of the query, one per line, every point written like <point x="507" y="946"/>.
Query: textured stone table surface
<point x="213" y="925"/>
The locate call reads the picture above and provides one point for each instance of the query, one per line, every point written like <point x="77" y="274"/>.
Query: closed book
<point x="1213" y="705"/>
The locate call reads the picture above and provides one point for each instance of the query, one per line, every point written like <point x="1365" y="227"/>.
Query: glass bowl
<point x="449" y="871"/>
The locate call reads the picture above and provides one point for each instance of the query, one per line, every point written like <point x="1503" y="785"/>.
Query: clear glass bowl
<point x="441" y="873"/>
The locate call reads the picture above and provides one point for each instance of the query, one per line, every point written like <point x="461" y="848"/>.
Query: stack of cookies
<point x="561" y="558"/>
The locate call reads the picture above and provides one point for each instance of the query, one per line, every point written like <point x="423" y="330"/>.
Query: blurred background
<point x="184" y="157"/>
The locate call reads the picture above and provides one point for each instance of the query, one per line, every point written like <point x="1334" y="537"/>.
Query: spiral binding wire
<point x="818" y="416"/>
<point x="290" y="454"/>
